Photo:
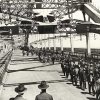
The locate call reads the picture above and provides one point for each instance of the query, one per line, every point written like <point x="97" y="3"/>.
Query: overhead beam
<point x="92" y="12"/>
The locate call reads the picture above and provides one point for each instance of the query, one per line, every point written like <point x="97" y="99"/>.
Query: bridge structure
<point x="43" y="21"/>
<point x="25" y="15"/>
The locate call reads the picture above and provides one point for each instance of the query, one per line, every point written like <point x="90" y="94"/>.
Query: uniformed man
<point x="82" y="77"/>
<point x="67" y="68"/>
<point x="53" y="59"/>
<point x="63" y="67"/>
<point x="75" y="73"/>
<point x="91" y="83"/>
<point x="71" y="71"/>
<point x="39" y="55"/>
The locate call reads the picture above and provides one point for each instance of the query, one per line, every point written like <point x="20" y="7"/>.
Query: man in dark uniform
<point x="75" y="74"/>
<point x="53" y="59"/>
<point x="62" y="58"/>
<point x="43" y="95"/>
<point x="71" y="71"/>
<point x="39" y="55"/>
<point x="63" y="67"/>
<point x="91" y="83"/>
<point x="82" y="77"/>
<point x="67" y="68"/>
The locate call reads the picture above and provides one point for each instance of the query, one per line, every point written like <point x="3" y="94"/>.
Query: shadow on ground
<point x="85" y="92"/>
<point x="91" y="98"/>
<point x="32" y="83"/>
<point x="29" y="69"/>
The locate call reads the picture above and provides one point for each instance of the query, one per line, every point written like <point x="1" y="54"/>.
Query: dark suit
<point x="44" y="96"/>
<point x="19" y="97"/>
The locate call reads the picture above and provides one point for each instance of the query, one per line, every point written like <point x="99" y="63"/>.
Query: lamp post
<point x="10" y="31"/>
<point x="88" y="42"/>
<point x="26" y="36"/>
<point x="48" y="42"/>
<point x="35" y="31"/>
<point x="71" y="35"/>
<point x="57" y="31"/>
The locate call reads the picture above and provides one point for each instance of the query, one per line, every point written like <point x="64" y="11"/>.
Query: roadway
<point x="27" y="70"/>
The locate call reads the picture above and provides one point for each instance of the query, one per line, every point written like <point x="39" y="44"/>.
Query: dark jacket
<point x="44" y="96"/>
<point x="91" y="79"/>
<point x="19" y="97"/>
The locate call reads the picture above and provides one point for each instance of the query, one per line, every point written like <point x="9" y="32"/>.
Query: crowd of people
<point x="82" y="71"/>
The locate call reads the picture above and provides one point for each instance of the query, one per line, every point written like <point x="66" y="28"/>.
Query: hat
<point x="91" y="64"/>
<point x="20" y="88"/>
<point x="11" y="98"/>
<point x="91" y="74"/>
<point x="43" y="85"/>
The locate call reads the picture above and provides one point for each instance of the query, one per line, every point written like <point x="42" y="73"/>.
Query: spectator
<point x="19" y="97"/>
<point x="20" y="89"/>
<point x="43" y="95"/>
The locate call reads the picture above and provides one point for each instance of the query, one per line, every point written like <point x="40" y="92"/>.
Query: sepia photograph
<point x="49" y="49"/>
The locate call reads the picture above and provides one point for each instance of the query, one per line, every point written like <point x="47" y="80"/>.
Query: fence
<point x="4" y="63"/>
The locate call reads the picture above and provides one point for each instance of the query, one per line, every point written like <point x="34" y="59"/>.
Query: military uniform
<point x="62" y="67"/>
<point x="91" y="83"/>
<point x="53" y="58"/>
<point x="67" y="68"/>
<point x="82" y="78"/>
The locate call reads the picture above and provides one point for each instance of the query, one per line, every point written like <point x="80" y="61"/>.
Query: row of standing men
<point x="82" y="73"/>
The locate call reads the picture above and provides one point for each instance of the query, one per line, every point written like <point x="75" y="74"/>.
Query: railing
<point x="4" y="63"/>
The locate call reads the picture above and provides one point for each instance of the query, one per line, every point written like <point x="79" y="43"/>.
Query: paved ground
<point x="29" y="71"/>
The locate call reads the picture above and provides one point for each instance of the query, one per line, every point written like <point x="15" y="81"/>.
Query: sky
<point x="96" y="3"/>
